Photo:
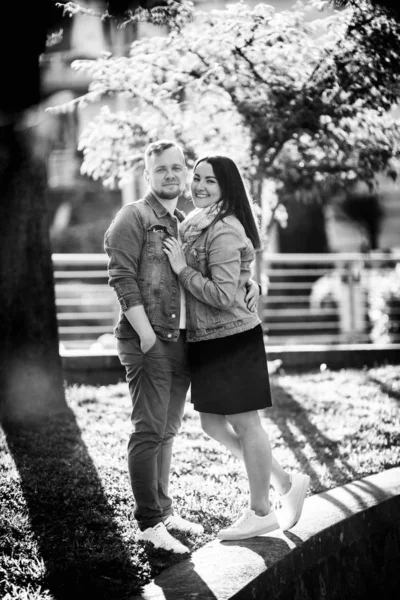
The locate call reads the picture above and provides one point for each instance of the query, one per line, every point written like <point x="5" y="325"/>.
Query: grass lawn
<point x="66" y="526"/>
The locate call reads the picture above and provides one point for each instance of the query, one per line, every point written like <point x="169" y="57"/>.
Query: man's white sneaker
<point x="292" y="502"/>
<point x="160" y="538"/>
<point x="179" y="524"/>
<point x="249" y="525"/>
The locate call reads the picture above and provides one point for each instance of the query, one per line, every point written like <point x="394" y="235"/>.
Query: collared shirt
<point x="182" y="322"/>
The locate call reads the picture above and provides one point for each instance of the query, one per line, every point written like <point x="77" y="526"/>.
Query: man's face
<point x="166" y="174"/>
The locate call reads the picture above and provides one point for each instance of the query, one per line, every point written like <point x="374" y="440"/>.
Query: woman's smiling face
<point x="205" y="187"/>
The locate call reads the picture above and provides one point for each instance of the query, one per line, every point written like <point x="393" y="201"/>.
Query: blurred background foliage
<point x="304" y="96"/>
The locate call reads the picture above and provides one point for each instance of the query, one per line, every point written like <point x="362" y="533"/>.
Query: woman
<point x="227" y="359"/>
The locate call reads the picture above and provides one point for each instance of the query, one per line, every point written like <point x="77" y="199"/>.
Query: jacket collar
<point x="159" y="209"/>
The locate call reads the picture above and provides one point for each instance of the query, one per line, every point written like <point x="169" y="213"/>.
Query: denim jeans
<point x="158" y="383"/>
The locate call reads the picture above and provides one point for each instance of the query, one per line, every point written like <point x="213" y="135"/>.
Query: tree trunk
<point x="305" y="231"/>
<point x="31" y="381"/>
<point x="255" y="184"/>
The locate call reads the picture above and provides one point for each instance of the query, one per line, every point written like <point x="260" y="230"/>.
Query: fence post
<point x="351" y="302"/>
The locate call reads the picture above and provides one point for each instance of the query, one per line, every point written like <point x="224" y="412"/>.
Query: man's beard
<point x="169" y="195"/>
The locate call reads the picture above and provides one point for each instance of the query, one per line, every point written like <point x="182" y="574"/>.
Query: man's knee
<point x="144" y="441"/>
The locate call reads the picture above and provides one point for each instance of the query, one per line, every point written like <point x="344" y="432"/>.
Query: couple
<point x="188" y="316"/>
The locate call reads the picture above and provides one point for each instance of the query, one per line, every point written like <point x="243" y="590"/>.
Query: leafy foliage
<point x="302" y="102"/>
<point x="173" y="13"/>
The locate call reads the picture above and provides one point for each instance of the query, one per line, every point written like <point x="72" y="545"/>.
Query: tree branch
<point x="251" y="65"/>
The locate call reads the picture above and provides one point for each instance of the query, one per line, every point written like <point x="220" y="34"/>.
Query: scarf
<point x="195" y="223"/>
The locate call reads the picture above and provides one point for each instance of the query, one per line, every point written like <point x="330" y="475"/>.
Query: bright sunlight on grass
<point x="66" y="524"/>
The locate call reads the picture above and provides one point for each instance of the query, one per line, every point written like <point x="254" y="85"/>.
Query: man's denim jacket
<point x="139" y="270"/>
<point x="218" y="270"/>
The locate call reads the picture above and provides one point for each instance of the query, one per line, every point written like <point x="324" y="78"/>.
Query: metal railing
<point x="87" y="308"/>
<point x="331" y="298"/>
<point x="307" y="299"/>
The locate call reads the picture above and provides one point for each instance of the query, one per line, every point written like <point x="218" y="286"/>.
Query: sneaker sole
<point x="187" y="551"/>
<point x="160" y="547"/>
<point x="300" y="504"/>
<point x="174" y="550"/>
<point x="190" y="531"/>
<point x="245" y="536"/>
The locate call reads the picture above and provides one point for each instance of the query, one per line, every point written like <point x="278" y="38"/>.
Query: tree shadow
<point x="219" y="573"/>
<point x="178" y="583"/>
<point x="70" y="516"/>
<point x="290" y="411"/>
<point x="365" y="487"/>
<point x="386" y="388"/>
<point x="272" y="547"/>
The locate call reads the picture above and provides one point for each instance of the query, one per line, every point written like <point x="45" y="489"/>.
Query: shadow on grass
<point x="290" y="412"/>
<point x="78" y="539"/>
<point x="386" y="388"/>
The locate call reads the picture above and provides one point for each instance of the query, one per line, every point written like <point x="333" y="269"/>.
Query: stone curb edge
<point x="347" y="541"/>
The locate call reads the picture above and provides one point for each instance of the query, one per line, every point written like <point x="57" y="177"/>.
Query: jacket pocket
<point x="156" y="234"/>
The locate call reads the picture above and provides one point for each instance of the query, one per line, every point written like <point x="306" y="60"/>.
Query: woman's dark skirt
<point x="229" y="375"/>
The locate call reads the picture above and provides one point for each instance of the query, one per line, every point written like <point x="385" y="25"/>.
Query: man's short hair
<point x="158" y="147"/>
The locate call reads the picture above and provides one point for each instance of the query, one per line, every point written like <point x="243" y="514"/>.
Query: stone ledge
<point x="103" y="367"/>
<point x="346" y="545"/>
<point x="336" y="356"/>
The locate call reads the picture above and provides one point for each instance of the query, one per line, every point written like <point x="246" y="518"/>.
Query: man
<point x="151" y="339"/>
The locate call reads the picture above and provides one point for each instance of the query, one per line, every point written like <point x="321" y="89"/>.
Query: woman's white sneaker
<point x="292" y="502"/>
<point x="249" y="525"/>
<point x="161" y="538"/>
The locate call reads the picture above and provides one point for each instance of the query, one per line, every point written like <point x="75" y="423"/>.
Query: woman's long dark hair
<point x="234" y="197"/>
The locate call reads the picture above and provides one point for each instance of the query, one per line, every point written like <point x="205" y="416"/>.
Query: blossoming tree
<point x="305" y="103"/>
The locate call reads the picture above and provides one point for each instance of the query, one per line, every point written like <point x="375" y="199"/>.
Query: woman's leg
<point x="218" y="428"/>
<point x="280" y="478"/>
<point x="257" y="458"/>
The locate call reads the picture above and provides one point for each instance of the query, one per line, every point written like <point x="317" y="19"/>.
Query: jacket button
<point x="173" y="316"/>
<point x="169" y="335"/>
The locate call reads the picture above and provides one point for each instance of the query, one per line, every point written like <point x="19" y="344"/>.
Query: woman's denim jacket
<point x="215" y="280"/>
<point x="139" y="270"/>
